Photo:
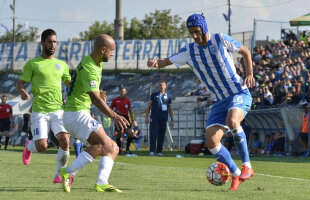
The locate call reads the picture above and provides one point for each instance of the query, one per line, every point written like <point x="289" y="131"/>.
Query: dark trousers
<point x="6" y="141"/>
<point x="157" y="134"/>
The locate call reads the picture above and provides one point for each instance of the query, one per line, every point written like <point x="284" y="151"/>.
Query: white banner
<point x="129" y="54"/>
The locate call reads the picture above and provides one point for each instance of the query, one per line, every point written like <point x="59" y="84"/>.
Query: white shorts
<point x="80" y="124"/>
<point x="42" y="123"/>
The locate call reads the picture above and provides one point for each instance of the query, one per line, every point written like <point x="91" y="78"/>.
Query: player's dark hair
<point x="162" y="81"/>
<point x="47" y="33"/>
<point x="3" y="95"/>
<point x="122" y="88"/>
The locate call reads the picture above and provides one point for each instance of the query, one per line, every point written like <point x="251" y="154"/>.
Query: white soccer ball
<point x="218" y="174"/>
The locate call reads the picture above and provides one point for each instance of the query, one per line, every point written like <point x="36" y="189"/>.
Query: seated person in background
<point x="135" y="136"/>
<point x="198" y="90"/>
<point x="279" y="143"/>
<point x="269" y="144"/>
<point x="256" y="145"/>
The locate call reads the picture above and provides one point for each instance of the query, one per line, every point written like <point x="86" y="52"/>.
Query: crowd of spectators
<point x="281" y="71"/>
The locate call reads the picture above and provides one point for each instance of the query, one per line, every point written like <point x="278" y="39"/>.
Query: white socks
<point x="105" y="167"/>
<point x="31" y="146"/>
<point x="62" y="159"/>
<point x="83" y="159"/>
<point x="216" y="149"/>
<point x="248" y="164"/>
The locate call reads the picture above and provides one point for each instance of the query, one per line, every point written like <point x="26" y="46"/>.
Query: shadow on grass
<point x="145" y="152"/>
<point x="26" y="189"/>
<point x="235" y="157"/>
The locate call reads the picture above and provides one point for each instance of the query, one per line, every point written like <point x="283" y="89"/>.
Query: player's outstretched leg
<point x="109" y="152"/>
<point x="105" y="168"/>
<point x="221" y="154"/>
<point x="241" y="143"/>
<point x="63" y="154"/>
<point x="214" y="135"/>
<point x="65" y="179"/>
<point x="62" y="160"/>
<point x="29" y="148"/>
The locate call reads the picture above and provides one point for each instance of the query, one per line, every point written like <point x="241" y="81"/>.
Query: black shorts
<point x="5" y="124"/>
<point x="304" y="137"/>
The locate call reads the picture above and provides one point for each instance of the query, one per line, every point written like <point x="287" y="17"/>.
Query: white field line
<point x="283" y="177"/>
<point x="268" y="175"/>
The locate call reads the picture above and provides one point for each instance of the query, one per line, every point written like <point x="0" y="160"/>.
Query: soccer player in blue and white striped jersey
<point x="210" y="57"/>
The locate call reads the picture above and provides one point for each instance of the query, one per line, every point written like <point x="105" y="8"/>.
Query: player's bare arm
<point x="21" y="90"/>
<point x="246" y="54"/>
<point x="148" y="109"/>
<point x="120" y="121"/>
<point x="103" y="95"/>
<point x="158" y="63"/>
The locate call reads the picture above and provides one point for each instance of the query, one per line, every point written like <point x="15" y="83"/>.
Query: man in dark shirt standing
<point x="160" y="102"/>
<point x="122" y="107"/>
<point x="6" y="120"/>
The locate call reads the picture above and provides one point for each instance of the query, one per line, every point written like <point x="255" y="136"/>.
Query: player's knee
<point x="211" y="144"/>
<point x="63" y="140"/>
<point x="41" y="146"/>
<point x="232" y="123"/>
<point x="211" y="141"/>
<point x="115" y="148"/>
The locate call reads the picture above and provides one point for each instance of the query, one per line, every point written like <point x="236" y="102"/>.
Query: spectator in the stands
<point x="283" y="35"/>
<point x="269" y="144"/>
<point x="198" y="90"/>
<point x="279" y="143"/>
<point x="268" y="97"/>
<point x="256" y="145"/>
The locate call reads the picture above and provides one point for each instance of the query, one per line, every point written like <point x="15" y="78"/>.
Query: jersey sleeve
<point x="169" y="100"/>
<point x="231" y="44"/>
<point x="11" y="110"/>
<point x="181" y="57"/>
<point x="152" y="98"/>
<point x="90" y="81"/>
<point x="129" y="104"/>
<point x="66" y="74"/>
<point x="27" y="72"/>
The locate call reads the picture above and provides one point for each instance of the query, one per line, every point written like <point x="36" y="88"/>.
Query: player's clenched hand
<point x="249" y="81"/>
<point x="103" y="95"/>
<point x="120" y="122"/>
<point x="152" y="63"/>
<point x="24" y="95"/>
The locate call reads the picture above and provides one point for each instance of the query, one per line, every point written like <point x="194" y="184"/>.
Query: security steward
<point x="160" y="103"/>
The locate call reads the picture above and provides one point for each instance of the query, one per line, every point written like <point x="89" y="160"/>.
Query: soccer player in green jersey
<point x="84" y="90"/>
<point x="46" y="72"/>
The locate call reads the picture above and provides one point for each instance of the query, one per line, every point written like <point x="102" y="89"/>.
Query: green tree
<point x="160" y="24"/>
<point x="29" y="35"/>
<point x="96" y="29"/>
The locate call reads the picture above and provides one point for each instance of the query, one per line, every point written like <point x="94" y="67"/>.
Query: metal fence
<point x="190" y="124"/>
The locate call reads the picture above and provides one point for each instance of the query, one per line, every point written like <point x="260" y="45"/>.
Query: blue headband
<point x="197" y="20"/>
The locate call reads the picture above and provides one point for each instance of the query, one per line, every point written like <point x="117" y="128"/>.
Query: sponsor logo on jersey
<point x="213" y="49"/>
<point x="93" y="84"/>
<point x="57" y="66"/>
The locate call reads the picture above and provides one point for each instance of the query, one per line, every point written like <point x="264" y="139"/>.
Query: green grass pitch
<point x="155" y="178"/>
